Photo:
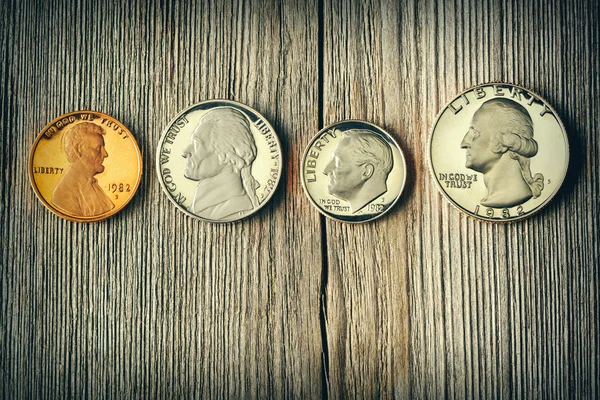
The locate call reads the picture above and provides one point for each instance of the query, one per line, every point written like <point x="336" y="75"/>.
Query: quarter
<point x="85" y="166"/>
<point x="353" y="171"/>
<point x="219" y="161"/>
<point x="498" y="152"/>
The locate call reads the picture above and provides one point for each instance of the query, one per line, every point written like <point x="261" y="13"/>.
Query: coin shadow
<point x="410" y="180"/>
<point x="274" y="203"/>
<point x="574" y="170"/>
<point x="278" y="197"/>
<point x="576" y="164"/>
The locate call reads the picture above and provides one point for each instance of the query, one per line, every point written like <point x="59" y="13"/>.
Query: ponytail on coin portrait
<point x="515" y="135"/>
<point x="232" y="140"/>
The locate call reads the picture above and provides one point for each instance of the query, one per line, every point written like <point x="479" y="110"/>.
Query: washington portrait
<point x="359" y="166"/>
<point x="219" y="157"/>
<point x="499" y="144"/>
<point x="78" y="191"/>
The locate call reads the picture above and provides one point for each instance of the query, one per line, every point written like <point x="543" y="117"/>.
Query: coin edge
<point x="310" y="197"/>
<point x="59" y="213"/>
<point x="480" y="218"/>
<point x="179" y="115"/>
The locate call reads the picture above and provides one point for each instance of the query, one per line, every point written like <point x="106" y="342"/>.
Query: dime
<point x="85" y="166"/>
<point x="219" y="161"/>
<point x="353" y="171"/>
<point x="498" y="152"/>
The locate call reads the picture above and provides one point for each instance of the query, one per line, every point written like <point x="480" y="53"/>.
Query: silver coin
<point x="353" y="171"/>
<point x="499" y="152"/>
<point x="219" y="161"/>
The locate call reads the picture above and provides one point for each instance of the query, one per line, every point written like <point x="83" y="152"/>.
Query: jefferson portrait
<point x="219" y="157"/>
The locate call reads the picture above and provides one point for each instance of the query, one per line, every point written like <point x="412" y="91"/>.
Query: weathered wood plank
<point x="367" y="293"/>
<point x="423" y="302"/>
<point x="151" y="303"/>
<point x="493" y="310"/>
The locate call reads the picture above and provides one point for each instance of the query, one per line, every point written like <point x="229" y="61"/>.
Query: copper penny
<point x="85" y="166"/>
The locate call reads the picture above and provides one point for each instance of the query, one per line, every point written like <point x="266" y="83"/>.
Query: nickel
<point x="219" y="161"/>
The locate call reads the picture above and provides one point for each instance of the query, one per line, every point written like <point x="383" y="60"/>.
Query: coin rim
<point x="59" y="213"/>
<point x="392" y="204"/>
<point x="185" y="111"/>
<point x="485" y="219"/>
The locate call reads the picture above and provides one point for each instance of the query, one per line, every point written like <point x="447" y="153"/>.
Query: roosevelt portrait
<point x="359" y="166"/>
<point x="219" y="157"/>
<point x="78" y="191"/>
<point x="499" y="144"/>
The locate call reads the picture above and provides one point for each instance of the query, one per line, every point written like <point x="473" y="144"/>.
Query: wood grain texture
<point x="151" y="303"/>
<point x="367" y="292"/>
<point x="494" y="310"/>
<point x="424" y="302"/>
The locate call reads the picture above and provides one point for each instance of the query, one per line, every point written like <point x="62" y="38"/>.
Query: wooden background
<point x="424" y="302"/>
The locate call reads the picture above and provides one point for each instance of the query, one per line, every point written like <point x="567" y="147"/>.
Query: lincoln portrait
<point x="78" y="192"/>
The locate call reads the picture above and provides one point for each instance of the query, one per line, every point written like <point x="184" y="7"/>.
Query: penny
<point x="353" y="171"/>
<point x="219" y="161"/>
<point x="498" y="152"/>
<point x="85" y="166"/>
